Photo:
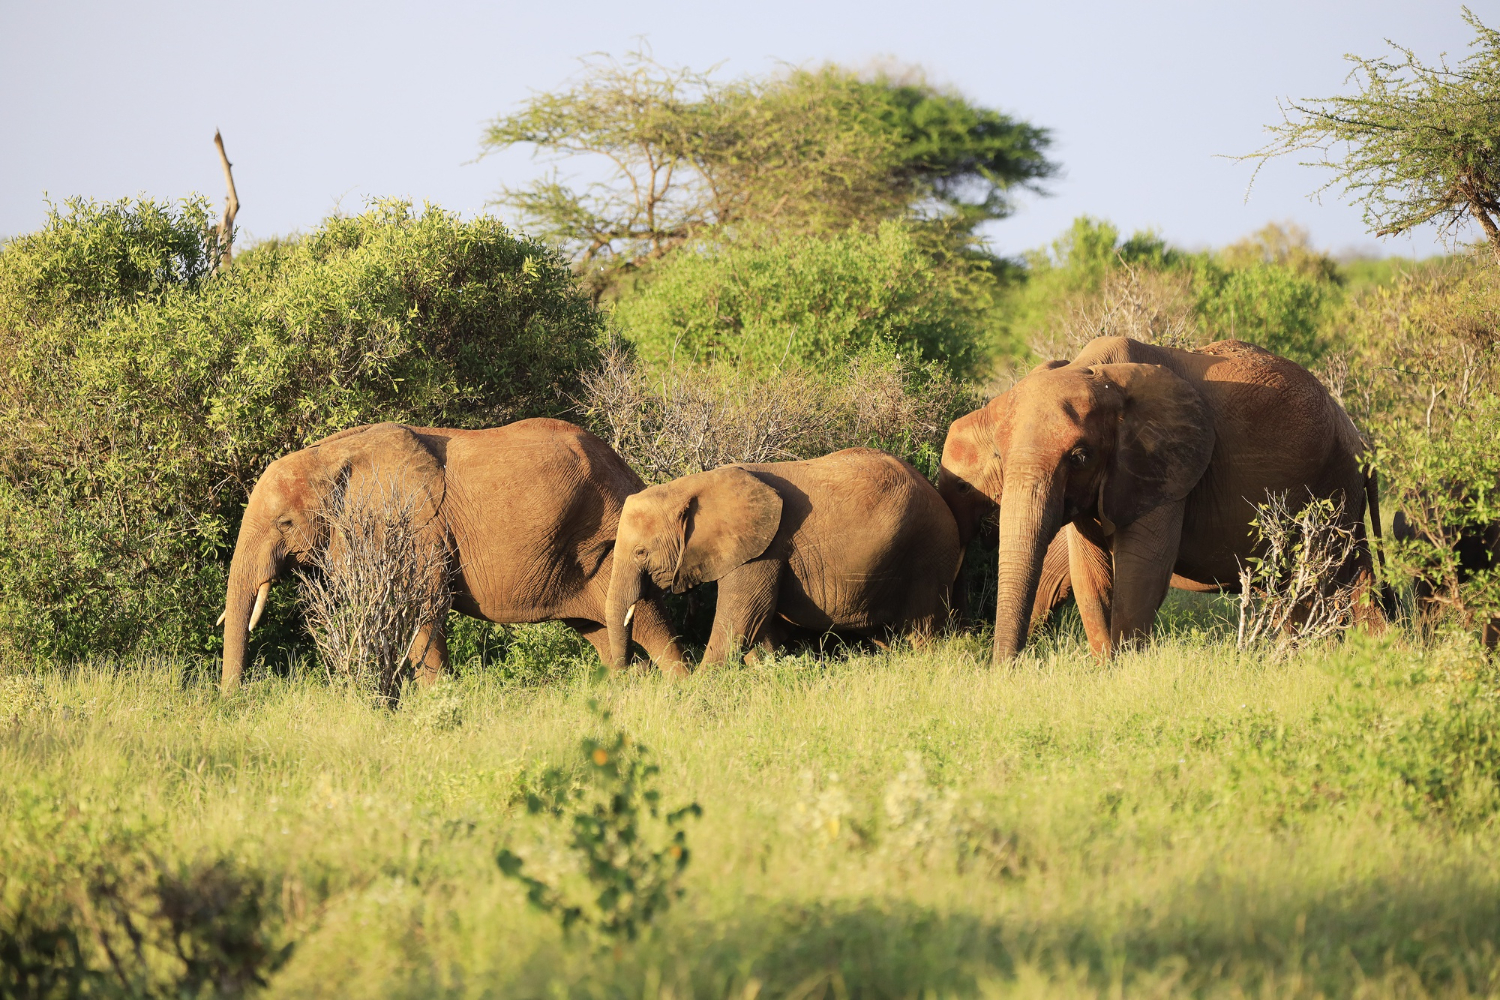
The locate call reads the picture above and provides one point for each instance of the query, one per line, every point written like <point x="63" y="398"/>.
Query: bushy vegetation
<point x="1418" y="367"/>
<point x="141" y="396"/>
<point x="1192" y="820"/>
<point x="805" y="301"/>
<point x="1270" y="289"/>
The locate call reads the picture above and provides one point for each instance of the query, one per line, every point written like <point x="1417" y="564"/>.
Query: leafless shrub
<point x="377" y="580"/>
<point x="691" y="419"/>
<point x="1152" y="306"/>
<point x="1292" y="594"/>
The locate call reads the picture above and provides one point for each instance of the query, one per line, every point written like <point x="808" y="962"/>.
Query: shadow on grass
<point x="1444" y="936"/>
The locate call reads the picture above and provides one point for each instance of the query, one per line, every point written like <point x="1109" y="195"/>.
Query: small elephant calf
<point x="856" y="542"/>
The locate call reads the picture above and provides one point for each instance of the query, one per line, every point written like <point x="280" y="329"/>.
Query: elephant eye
<point x="284" y="524"/>
<point x="963" y="486"/>
<point x="1079" y="456"/>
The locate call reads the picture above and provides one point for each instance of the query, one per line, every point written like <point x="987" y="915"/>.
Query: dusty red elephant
<point x="857" y="543"/>
<point x="528" y="511"/>
<point x="1143" y="465"/>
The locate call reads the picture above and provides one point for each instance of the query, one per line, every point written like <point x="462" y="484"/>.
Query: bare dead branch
<point x="231" y="204"/>
<point x="1292" y="594"/>
<point x="375" y="583"/>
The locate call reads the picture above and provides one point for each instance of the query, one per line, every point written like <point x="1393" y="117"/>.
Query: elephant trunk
<point x="625" y="586"/>
<point x="250" y="578"/>
<point x="1030" y="516"/>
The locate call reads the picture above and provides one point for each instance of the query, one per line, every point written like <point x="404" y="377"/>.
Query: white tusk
<point x="629" y="614"/>
<point x="222" y="615"/>
<point x="260" y="605"/>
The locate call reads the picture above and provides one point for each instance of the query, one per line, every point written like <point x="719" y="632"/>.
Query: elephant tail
<point x="1372" y="502"/>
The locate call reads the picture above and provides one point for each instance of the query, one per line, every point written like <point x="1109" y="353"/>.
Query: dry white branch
<point x="231" y="206"/>
<point x="376" y="581"/>
<point x="1154" y="307"/>
<point x="1291" y="594"/>
<point x="685" y="420"/>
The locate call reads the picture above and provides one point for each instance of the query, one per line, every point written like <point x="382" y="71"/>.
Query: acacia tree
<point x="1418" y="143"/>
<point x="805" y="151"/>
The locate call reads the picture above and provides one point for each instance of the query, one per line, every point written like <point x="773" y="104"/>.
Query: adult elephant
<point x="1153" y="459"/>
<point x="528" y="512"/>
<point x="855" y="543"/>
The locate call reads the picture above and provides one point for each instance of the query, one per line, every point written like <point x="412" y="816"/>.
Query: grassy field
<point x="1187" y="820"/>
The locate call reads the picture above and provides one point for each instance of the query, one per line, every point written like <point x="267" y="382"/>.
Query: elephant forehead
<point x="644" y="512"/>
<point x="1062" y="393"/>
<point x="287" y="483"/>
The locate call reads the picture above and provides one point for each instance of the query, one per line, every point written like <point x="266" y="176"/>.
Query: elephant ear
<point x="728" y="519"/>
<point x="1166" y="438"/>
<point x="384" y="463"/>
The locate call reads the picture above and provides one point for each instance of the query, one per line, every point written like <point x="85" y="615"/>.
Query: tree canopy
<point x="1418" y="143"/>
<point x="807" y="151"/>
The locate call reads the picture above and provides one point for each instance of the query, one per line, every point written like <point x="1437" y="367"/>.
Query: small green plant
<point x="632" y="876"/>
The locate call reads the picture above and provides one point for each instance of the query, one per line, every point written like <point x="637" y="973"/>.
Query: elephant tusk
<point x="629" y="614"/>
<point x="260" y="605"/>
<point x="222" y="615"/>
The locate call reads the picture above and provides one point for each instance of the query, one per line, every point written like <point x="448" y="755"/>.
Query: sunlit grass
<point x="1185" y="820"/>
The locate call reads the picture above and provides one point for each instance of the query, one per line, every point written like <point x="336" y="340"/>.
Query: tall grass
<point x="1187" y="820"/>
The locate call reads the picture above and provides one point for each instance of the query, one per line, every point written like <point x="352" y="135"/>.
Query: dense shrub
<point x="807" y="300"/>
<point x="1418" y="366"/>
<point x="1270" y="289"/>
<point x="140" y="396"/>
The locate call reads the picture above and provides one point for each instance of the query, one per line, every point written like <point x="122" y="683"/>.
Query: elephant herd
<point x="1128" y="470"/>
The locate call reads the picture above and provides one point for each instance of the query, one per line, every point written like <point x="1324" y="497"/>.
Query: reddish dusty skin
<point x="529" y="511"/>
<point x="1143" y="464"/>
<point x="856" y="542"/>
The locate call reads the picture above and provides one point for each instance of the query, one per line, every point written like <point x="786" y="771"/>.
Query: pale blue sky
<point x="325" y="104"/>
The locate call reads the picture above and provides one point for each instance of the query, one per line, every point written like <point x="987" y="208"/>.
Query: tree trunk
<point x="1030" y="516"/>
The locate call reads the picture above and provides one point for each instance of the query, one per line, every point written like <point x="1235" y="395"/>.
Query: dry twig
<point x="1292" y="594"/>
<point x="376" y="581"/>
<point x="231" y="205"/>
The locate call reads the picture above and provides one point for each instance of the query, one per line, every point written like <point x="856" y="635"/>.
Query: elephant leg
<point x="1055" y="584"/>
<point x="428" y="654"/>
<point x="595" y="633"/>
<point x="1144" y="553"/>
<point x="653" y="630"/>
<point x="745" y="614"/>
<point x="1092" y="570"/>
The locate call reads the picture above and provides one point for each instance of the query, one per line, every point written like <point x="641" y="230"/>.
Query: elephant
<point x="528" y="512"/>
<point x="856" y="543"/>
<point x="1143" y="465"/>
<point x="1477" y="550"/>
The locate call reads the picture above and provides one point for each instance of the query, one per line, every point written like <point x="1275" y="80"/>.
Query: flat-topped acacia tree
<point x="1417" y="143"/>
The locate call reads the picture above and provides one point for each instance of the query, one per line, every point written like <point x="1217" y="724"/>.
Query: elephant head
<point x="282" y="526"/>
<point x="690" y="531"/>
<point x="1100" y="443"/>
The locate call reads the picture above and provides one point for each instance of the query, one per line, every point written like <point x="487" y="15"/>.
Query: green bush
<point x="1271" y="290"/>
<point x="142" y="396"/>
<point x="804" y="300"/>
<point x="1416" y="364"/>
<point x="1267" y="303"/>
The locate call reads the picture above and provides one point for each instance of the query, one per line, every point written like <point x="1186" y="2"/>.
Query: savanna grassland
<point x="774" y="268"/>
<point x="1187" y="820"/>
